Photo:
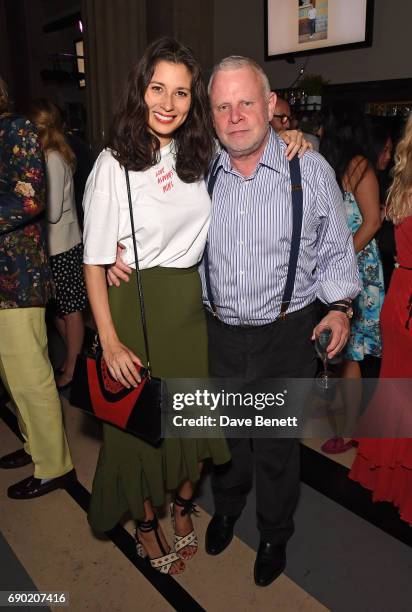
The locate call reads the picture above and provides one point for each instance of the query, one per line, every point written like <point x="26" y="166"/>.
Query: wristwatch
<point x="344" y="306"/>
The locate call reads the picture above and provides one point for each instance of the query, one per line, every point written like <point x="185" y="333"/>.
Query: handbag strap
<point x="138" y="276"/>
<point x="297" y="215"/>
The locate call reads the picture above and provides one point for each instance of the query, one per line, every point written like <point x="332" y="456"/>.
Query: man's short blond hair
<point x="236" y="62"/>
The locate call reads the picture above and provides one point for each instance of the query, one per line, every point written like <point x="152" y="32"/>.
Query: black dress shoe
<point x="219" y="533"/>
<point x="15" y="460"/>
<point x="32" y="487"/>
<point x="270" y="563"/>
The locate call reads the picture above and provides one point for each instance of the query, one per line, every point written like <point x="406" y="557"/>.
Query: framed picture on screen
<point x="303" y="27"/>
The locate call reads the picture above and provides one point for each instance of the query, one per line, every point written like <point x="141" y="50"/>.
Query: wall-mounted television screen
<point x="302" y="27"/>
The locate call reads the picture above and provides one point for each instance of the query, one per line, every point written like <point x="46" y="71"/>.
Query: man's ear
<point x="271" y="104"/>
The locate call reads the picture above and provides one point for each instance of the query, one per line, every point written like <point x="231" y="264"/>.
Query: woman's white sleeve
<point x="101" y="211"/>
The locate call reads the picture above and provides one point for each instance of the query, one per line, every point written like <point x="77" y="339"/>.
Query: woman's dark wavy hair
<point x="345" y="135"/>
<point x="380" y="132"/>
<point x="134" y="146"/>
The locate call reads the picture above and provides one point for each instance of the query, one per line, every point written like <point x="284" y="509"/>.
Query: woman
<point x="385" y="466"/>
<point x="345" y="143"/>
<point x="64" y="238"/>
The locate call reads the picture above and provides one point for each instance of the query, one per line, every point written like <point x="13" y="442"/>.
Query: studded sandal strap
<point x="181" y="542"/>
<point x="164" y="563"/>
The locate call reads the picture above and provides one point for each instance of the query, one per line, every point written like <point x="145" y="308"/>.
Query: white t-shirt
<point x="171" y="218"/>
<point x="312" y="13"/>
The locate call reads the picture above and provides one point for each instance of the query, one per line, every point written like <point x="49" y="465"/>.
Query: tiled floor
<point x="51" y="538"/>
<point x="50" y="541"/>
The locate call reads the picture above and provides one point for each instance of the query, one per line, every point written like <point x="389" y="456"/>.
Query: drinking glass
<point x="322" y="339"/>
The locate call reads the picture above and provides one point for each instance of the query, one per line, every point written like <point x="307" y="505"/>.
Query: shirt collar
<point x="273" y="155"/>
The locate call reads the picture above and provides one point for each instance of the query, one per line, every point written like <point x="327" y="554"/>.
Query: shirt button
<point x="242" y="212"/>
<point x="241" y="272"/>
<point x="240" y="242"/>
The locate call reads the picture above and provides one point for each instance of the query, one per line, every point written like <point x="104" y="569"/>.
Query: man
<point x="248" y="253"/>
<point x="282" y="119"/>
<point x="312" y="21"/>
<point x="282" y="116"/>
<point x="25" y="287"/>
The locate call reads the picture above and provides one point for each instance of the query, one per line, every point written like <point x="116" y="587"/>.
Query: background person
<point x="384" y="466"/>
<point x="346" y="144"/>
<point x="282" y="120"/>
<point x="25" y="288"/>
<point x="63" y="234"/>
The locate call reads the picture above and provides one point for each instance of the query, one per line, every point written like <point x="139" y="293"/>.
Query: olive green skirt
<point x="129" y="470"/>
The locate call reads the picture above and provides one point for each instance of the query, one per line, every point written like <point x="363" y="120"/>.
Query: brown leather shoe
<point x="32" y="487"/>
<point x="17" y="459"/>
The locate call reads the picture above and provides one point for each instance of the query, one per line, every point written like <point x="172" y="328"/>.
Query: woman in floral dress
<point x="346" y="144"/>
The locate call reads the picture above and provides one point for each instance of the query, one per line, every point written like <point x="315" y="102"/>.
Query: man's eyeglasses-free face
<point x="284" y="118"/>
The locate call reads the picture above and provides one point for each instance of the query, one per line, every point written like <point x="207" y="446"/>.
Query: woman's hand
<point x="120" y="360"/>
<point x="296" y="143"/>
<point x="122" y="363"/>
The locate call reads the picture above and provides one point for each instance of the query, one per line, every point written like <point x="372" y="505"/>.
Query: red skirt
<point x="384" y="467"/>
<point x="384" y="464"/>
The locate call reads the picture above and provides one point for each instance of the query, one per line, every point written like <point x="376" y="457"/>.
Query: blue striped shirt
<point x="250" y="235"/>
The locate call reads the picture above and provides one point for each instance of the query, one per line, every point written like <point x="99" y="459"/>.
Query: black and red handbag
<point x="136" y="410"/>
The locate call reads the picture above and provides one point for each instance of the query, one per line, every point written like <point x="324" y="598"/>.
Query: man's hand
<point x="119" y="270"/>
<point x="296" y="143"/>
<point x="338" y="323"/>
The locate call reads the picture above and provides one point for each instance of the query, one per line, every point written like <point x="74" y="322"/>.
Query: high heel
<point x="161" y="564"/>
<point x="189" y="541"/>
<point x="337" y="445"/>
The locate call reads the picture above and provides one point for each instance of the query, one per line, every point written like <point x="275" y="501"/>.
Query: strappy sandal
<point x="189" y="541"/>
<point x="161" y="564"/>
